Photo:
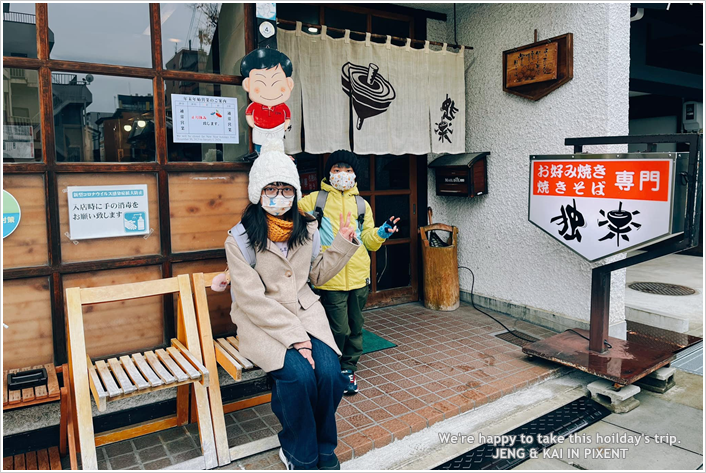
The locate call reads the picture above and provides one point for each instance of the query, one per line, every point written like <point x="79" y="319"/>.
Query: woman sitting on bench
<point x="282" y="326"/>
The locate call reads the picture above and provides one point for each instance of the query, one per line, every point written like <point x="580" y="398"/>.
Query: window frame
<point x="161" y="167"/>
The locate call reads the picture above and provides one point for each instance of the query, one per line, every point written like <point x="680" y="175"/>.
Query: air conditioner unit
<point x="693" y="116"/>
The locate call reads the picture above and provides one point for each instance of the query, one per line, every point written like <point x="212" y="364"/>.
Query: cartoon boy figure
<point x="268" y="80"/>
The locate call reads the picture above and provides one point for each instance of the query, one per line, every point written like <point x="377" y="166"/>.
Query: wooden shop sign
<point x="535" y="70"/>
<point x="531" y="65"/>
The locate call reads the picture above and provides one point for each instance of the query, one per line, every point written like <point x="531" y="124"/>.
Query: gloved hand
<point x="388" y="228"/>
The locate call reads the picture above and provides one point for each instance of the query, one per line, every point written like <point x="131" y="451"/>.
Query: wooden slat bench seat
<point x="140" y="373"/>
<point x="45" y="459"/>
<point x="48" y="392"/>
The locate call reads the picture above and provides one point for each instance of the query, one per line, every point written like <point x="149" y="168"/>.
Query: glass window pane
<point x="393" y="266"/>
<point x="100" y="119"/>
<point x="308" y="167"/>
<point x="306" y="13"/>
<point x="387" y="206"/>
<point x="107" y="33"/>
<point x="210" y="152"/>
<point x="390" y="27"/>
<point x="334" y="18"/>
<point x="203" y="37"/>
<point x="21" y="142"/>
<point x="363" y="179"/>
<point x="19" y="30"/>
<point x="391" y="172"/>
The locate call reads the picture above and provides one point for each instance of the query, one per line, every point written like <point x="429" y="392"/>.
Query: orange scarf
<point x="277" y="229"/>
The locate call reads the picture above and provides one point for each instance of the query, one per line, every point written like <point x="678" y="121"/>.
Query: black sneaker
<point x="331" y="464"/>
<point x="352" y="387"/>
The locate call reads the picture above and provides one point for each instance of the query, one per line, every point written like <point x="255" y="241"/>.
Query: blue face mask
<point x="276" y="206"/>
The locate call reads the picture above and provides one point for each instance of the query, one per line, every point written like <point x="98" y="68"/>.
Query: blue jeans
<point x="305" y="402"/>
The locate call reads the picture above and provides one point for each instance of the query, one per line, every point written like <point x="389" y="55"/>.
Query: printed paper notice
<point x="200" y="119"/>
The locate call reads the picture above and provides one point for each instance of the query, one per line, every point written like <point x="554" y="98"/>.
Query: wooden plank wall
<point x="27" y="312"/>
<point x="119" y="327"/>
<point x="203" y="207"/>
<point x="28" y="245"/>
<point x="218" y="302"/>
<point x="107" y="248"/>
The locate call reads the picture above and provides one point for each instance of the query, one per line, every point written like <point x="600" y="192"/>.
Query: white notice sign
<point x="199" y="119"/>
<point x="600" y="207"/>
<point x="108" y="211"/>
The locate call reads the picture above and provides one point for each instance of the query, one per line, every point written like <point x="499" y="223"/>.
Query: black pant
<point x="344" y="310"/>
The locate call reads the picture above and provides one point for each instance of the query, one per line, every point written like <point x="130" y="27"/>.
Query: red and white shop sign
<point x="599" y="207"/>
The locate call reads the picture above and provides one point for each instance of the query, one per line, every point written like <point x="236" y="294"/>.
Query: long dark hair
<point x="255" y="222"/>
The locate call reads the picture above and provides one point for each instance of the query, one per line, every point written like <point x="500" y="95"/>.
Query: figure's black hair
<point x="265" y="58"/>
<point x="255" y="222"/>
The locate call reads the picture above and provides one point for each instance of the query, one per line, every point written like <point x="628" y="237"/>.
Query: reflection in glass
<point x="391" y="172"/>
<point x="107" y="33"/>
<point x="363" y="178"/>
<point x="393" y="266"/>
<point x="209" y="152"/>
<point x="398" y="205"/>
<point x="308" y="165"/>
<point x="203" y="37"/>
<point x="19" y="30"/>
<point x="103" y="118"/>
<point x="21" y="141"/>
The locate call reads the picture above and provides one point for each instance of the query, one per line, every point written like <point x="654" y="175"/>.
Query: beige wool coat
<point x="273" y="304"/>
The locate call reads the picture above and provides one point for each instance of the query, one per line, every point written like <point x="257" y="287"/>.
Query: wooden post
<point x="78" y="369"/>
<point x="209" y="360"/>
<point x="600" y="309"/>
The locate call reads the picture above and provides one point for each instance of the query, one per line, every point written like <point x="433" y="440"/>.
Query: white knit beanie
<point x="273" y="165"/>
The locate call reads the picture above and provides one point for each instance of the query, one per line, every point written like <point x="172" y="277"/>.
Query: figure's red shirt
<point x="268" y="117"/>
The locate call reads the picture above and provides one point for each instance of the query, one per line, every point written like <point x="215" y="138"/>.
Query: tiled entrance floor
<point x="445" y="363"/>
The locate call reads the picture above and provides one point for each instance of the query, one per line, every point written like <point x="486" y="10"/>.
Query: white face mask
<point x="276" y="205"/>
<point x="343" y="180"/>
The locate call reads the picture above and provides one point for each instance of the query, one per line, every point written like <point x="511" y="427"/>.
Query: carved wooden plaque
<point x="532" y="65"/>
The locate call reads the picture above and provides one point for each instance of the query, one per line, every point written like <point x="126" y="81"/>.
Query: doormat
<point x="372" y="342"/>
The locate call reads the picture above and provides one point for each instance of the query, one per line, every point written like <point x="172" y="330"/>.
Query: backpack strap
<point x="319" y="206"/>
<point x="360" y="202"/>
<point x="316" y="245"/>
<point x="241" y="238"/>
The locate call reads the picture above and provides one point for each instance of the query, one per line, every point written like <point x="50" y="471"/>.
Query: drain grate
<point x="568" y="419"/>
<point x="661" y="288"/>
<point x="515" y="340"/>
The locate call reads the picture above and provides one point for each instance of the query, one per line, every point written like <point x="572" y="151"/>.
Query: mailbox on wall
<point x="464" y="175"/>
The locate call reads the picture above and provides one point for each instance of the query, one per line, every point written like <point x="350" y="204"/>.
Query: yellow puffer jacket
<point x="357" y="271"/>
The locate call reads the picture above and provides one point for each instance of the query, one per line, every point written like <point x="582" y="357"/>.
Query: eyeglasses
<point x="272" y="191"/>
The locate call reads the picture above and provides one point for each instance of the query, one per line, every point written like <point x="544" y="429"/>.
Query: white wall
<point x="513" y="260"/>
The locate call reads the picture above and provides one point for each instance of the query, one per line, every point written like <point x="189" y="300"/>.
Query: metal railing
<point x="19" y="17"/>
<point x="16" y="73"/>
<point x="64" y="79"/>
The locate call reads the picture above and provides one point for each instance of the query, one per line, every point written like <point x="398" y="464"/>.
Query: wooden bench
<point x="141" y="373"/>
<point x="44" y="459"/>
<point x="48" y="392"/>
<point x="223" y="352"/>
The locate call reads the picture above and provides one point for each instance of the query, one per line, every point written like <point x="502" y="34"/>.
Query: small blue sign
<point x="134" y="222"/>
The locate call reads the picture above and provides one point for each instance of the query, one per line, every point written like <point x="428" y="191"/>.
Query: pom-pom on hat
<point x="273" y="165"/>
<point x="341" y="156"/>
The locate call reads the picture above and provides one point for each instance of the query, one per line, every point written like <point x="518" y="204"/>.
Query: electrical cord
<point x="473" y="282"/>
